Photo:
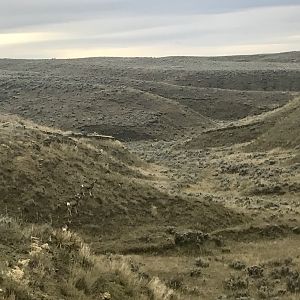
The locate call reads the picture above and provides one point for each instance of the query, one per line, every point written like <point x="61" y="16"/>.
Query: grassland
<point x="199" y="200"/>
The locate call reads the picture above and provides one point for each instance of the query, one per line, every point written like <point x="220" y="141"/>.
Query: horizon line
<point x="153" y="57"/>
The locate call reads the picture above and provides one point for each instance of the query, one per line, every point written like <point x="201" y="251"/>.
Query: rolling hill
<point x="91" y="184"/>
<point x="150" y="178"/>
<point x="277" y="128"/>
<point x="146" y="98"/>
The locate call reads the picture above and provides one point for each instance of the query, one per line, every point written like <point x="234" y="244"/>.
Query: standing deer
<point x="86" y="190"/>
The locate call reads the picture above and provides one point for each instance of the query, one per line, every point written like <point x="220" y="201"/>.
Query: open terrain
<point x="145" y="98"/>
<point x="150" y="178"/>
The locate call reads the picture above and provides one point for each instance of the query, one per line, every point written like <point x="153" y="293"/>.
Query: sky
<point x="85" y="28"/>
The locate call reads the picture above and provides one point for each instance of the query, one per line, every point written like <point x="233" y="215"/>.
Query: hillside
<point x="252" y="166"/>
<point x="284" y="57"/>
<point x="43" y="170"/>
<point x="277" y="128"/>
<point x="145" y="98"/>
<point x="285" y="131"/>
<point x="39" y="262"/>
<point x="150" y="178"/>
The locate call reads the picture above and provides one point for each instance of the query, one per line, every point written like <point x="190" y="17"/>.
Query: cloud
<point x="17" y="14"/>
<point x="139" y="28"/>
<point x="9" y="39"/>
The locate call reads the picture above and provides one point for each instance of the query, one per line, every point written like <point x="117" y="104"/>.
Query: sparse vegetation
<point x="57" y="263"/>
<point x="199" y="201"/>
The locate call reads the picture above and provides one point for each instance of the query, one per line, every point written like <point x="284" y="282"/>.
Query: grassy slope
<point x="145" y="98"/>
<point x="38" y="262"/>
<point x="277" y="128"/>
<point x="41" y="172"/>
<point x="285" y="132"/>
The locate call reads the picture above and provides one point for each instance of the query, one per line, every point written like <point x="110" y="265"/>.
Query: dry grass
<point x="160" y="290"/>
<point x="82" y="275"/>
<point x="210" y="284"/>
<point x="43" y="170"/>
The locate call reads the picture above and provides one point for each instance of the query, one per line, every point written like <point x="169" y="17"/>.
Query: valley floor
<point x="264" y="185"/>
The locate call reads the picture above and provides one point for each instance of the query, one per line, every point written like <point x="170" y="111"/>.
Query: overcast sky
<point x="82" y="28"/>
